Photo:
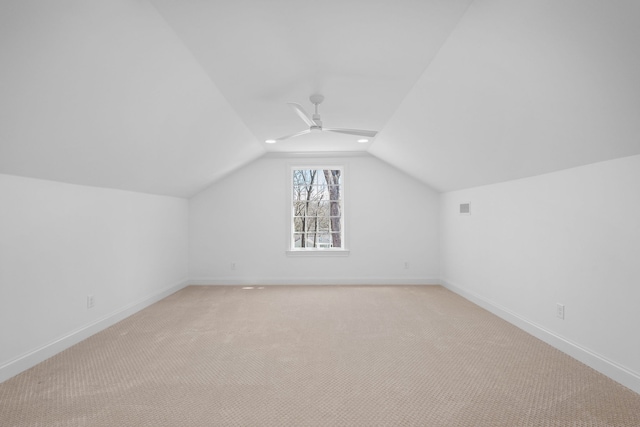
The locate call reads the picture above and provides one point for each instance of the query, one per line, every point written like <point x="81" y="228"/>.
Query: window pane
<point x="320" y="177"/>
<point x="317" y="208"/>
<point x="313" y="207"/>
<point x="311" y="239"/>
<point x="299" y="193"/>
<point x="324" y="240"/>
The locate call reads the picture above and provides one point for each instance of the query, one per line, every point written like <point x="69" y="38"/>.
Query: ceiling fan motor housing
<point x="316" y="99"/>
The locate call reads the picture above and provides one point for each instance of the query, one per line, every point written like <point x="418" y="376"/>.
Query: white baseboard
<point x="590" y="358"/>
<point x="236" y="281"/>
<point x="32" y="358"/>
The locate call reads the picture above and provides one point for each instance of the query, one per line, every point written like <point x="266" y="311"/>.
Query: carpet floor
<point x="314" y="356"/>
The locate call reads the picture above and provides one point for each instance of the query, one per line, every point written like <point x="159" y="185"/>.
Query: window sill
<point x="318" y="252"/>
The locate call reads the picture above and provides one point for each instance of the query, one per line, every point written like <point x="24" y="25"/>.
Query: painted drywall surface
<point x="244" y="219"/>
<point x="522" y="88"/>
<point x="254" y="53"/>
<point x="103" y="93"/>
<point x="570" y="237"/>
<point x="61" y="242"/>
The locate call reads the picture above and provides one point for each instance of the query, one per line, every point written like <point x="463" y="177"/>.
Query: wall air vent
<point x="465" y="208"/>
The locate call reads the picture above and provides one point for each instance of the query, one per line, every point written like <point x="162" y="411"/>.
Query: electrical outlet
<point x="233" y="265"/>
<point x="90" y="301"/>
<point x="406" y="265"/>
<point x="560" y="311"/>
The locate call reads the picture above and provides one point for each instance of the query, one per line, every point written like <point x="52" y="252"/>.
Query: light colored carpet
<point x="314" y="356"/>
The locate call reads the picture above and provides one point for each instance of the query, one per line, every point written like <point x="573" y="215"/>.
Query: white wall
<point x="570" y="237"/>
<point x="62" y="242"/>
<point x="244" y="219"/>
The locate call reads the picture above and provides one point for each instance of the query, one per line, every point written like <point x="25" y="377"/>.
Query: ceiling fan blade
<point x="282" y="138"/>
<point x="358" y="132"/>
<point x="303" y="114"/>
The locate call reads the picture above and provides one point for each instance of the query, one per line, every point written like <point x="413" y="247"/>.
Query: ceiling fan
<point x="315" y="123"/>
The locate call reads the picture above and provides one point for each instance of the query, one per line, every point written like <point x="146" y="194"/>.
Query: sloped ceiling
<point x="363" y="56"/>
<point x="522" y="88"/>
<point x="103" y="93"/>
<point x="167" y="96"/>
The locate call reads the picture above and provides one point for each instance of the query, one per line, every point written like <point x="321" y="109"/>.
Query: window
<point x="317" y="209"/>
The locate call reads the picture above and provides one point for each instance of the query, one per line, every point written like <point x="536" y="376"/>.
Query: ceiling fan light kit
<point x="315" y="123"/>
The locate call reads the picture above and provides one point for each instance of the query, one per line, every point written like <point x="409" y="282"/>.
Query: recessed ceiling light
<point x="363" y="140"/>
<point x="270" y="141"/>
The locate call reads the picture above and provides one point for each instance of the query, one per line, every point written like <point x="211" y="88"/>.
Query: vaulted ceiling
<point x="167" y="96"/>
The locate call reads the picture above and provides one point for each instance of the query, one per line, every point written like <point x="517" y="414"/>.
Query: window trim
<point x="322" y="252"/>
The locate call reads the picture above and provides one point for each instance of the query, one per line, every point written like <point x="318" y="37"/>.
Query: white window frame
<point x="293" y="251"/>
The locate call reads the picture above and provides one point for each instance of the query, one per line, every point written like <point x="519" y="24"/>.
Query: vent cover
<point x="465" y="208"/>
